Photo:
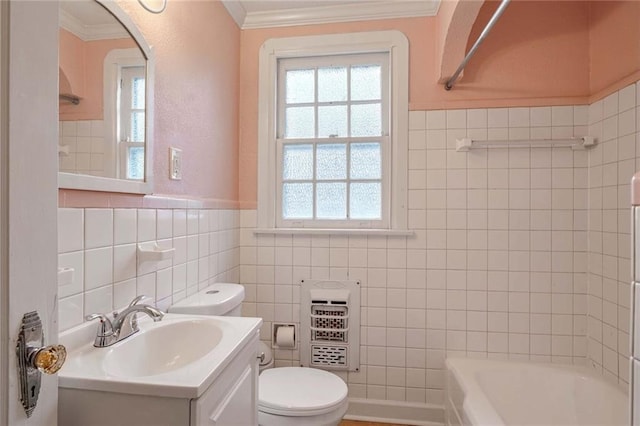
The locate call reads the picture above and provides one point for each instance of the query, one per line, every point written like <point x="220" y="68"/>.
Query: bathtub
<point x="491" y="392"/>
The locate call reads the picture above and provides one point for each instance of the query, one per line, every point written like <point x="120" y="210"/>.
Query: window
<point x="333" y="132"/>
<point x="332" y="115"/>
<point x="125" y="104"/>
<point x="131" y="122"/>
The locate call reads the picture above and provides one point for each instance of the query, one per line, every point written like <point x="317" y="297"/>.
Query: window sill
<point x="334" y="231"/>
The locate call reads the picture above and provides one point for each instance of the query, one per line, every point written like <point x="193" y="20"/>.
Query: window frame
<point x="393" y="43"/>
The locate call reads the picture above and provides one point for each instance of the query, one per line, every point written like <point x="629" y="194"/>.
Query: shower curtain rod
<point x="449" y="84"/>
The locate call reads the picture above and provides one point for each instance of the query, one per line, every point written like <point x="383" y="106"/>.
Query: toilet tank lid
<point x="217" y="299"/>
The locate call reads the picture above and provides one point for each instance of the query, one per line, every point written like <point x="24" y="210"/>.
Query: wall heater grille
<point x="330" y="324"/>
<point x="328" y="356"/>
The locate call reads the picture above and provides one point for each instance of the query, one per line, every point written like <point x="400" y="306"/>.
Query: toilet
<point x="287" y="396"/>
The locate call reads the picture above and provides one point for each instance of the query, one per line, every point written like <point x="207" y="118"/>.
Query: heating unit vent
<point x="330" y="324"/>
<point x="328" y="356"/>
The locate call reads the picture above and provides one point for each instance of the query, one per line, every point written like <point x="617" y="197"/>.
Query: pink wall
<point x="82" y="62"/>
<point x="197" y="47"/>
<point x="540" y="53"/>
<point x="536" y="55"/>
<point x="454" y="23"/>
<point x="614" y="45"/>
<point x="71" y="60"/>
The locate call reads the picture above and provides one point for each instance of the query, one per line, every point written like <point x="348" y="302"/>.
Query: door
<point x="28" y="192"/>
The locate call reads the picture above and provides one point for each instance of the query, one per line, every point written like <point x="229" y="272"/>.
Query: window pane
<point x="365" y="161"/>
<point x="332" y="84"/>
<point x="300" y="122"/>
<point x="365" y="83"/>
<point x="365" y="201"/>
<point x="331" y="161"/>
<point x="297" y="162"/>
<point x="331" y="200"/>
<point x="332" y="121"/>
<point x="366" y="120"/>
<point x="297" y="200"/>
<point x="135" y="163"/>
<point x="137" y="127"/>
<point x="300" y="86"/>
<point x="137" y="93"/>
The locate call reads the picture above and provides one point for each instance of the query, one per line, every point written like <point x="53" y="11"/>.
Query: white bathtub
<point x="488" y="392"/>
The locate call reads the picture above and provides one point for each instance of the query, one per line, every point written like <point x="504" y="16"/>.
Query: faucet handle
<point x="102" y="317"/>
<point x="105" y="330"/>
<point x="106" y="327"/>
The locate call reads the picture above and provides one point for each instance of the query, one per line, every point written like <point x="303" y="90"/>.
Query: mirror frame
<point x="98" y="183"/>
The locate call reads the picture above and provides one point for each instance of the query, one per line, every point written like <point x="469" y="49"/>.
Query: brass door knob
<point x="48" y="359"/>
<point x="35" y="358"/>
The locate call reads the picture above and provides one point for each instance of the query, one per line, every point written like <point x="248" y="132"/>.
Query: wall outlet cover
<point x="175" y="163"/>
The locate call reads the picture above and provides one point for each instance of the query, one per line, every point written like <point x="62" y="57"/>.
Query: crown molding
<point x="236" y="10"/>
<point x="363" y="11"/>
<point x="91" y="32"/>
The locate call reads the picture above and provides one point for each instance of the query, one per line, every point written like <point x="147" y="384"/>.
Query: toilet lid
<point x="299" y="391"/>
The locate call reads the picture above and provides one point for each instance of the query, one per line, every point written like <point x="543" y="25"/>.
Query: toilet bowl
<point x="296" y="396"/>
<point x="290" y="396"/>
<point x="287" y="396"/>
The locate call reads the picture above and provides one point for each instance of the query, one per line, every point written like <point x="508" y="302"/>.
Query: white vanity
<point x="184" y="370"/>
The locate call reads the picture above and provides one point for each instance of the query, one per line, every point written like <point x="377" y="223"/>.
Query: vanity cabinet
<point x="232" y="399"/>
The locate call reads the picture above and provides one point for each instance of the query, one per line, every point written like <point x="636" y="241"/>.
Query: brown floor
<point x="355" y="423"/>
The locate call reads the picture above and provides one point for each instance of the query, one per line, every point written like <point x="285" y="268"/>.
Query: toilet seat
<point x="300" y="392"/>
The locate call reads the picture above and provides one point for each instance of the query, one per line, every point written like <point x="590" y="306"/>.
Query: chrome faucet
<point x="124" y="324"/>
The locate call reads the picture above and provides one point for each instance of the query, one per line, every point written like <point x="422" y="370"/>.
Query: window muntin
<point x="333" y="145"/>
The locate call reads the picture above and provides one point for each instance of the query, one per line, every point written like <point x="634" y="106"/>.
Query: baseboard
<point x="406" y="413"/>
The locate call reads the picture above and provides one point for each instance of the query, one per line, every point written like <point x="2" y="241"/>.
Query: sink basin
<point x="162" y="349"/>
<point x="178" y="357"/>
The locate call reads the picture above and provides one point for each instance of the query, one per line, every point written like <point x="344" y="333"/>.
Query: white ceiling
<point x="275" y="13"/>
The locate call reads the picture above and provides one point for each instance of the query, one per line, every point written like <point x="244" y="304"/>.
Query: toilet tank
<point x="217" y="299"/>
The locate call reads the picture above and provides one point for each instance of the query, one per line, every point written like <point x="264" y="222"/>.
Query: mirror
<point x="106" y="99"/>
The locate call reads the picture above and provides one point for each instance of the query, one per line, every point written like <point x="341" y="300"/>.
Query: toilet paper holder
<point x="284" y="336"/>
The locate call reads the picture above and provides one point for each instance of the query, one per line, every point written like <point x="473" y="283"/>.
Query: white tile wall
<point x="98" y="228"/>
<point x="517" y="253"/>
<point x="85" y="141"/>
<point x="100" y="244"/>
<point x="496" y="268"/>
<point x="614" y="121"/>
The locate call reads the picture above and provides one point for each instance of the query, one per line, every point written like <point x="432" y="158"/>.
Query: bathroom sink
<point x="179" y="356"/>
<point x="161" y="349"/>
